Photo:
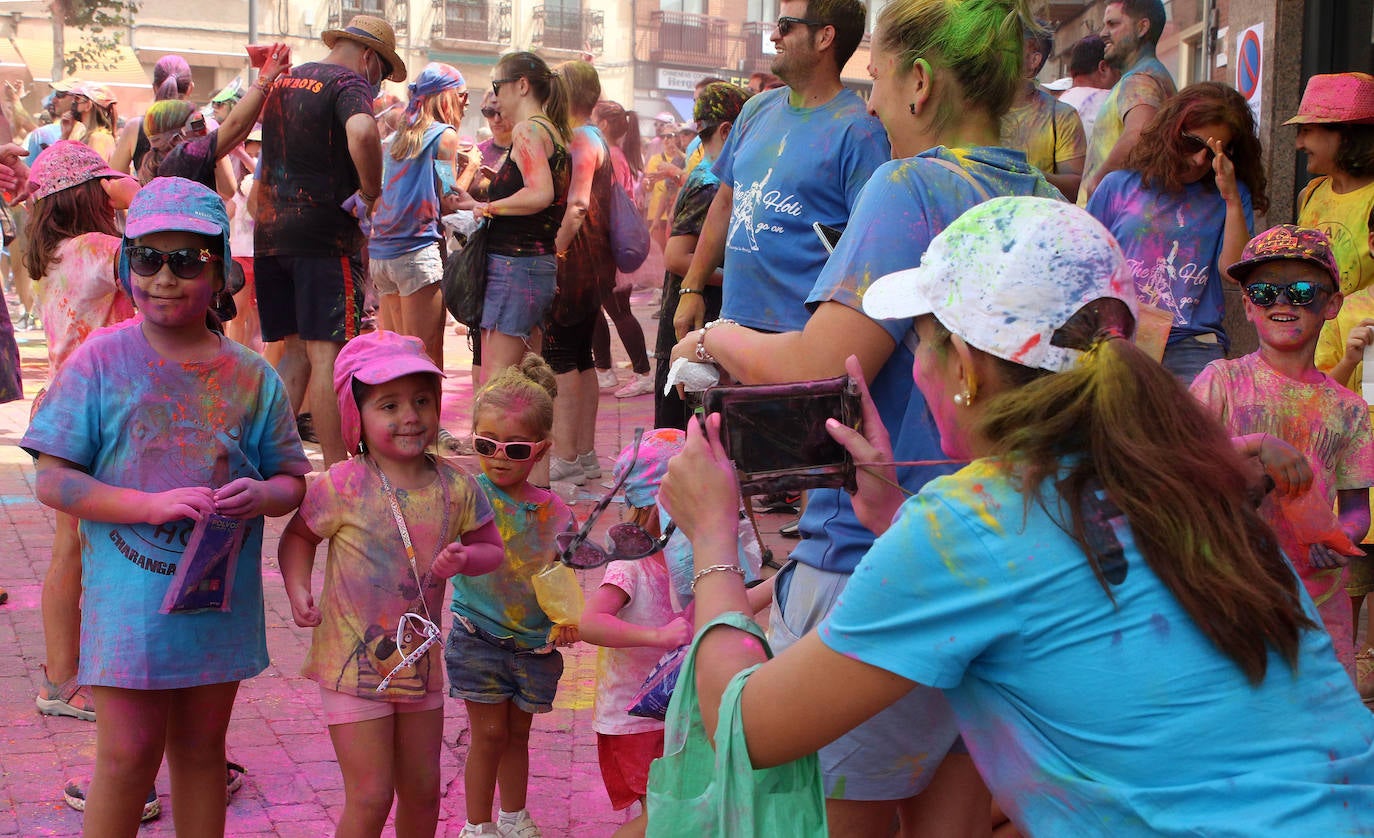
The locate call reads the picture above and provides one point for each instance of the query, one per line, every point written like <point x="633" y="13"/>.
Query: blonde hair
<point x="526" y="390"/>
<point x="445" y="107"/>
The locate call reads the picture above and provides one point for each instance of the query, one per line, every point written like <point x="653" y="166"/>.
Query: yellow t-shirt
<point x="1048" y="131"/>
<point x="1357" y="307"/>
<point x="1345" y="220"/>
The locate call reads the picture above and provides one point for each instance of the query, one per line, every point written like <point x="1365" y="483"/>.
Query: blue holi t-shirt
<point x="1095" y="715"/>
<point x="906" y="203"/>
<point x="1173" y="243"/>
<point x="406" y="218"/>
<point x="790" y="168"/>
<point x="134" y="419"/>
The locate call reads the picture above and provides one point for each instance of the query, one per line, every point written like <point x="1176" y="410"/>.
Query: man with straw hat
<point x="320" y="173"/>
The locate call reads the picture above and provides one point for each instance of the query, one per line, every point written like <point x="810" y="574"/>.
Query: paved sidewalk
<point x="293" y="786"/>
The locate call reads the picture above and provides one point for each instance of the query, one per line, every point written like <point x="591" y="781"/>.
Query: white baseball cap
<point x="1059" y="85"/>
<point x="1007" y="274"/>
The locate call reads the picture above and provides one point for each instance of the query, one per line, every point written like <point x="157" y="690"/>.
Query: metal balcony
<point x="755" y="34"/>
<point x="682" y="38"/>
<point x="571" y="30"/>
<point x="480" y="21"/>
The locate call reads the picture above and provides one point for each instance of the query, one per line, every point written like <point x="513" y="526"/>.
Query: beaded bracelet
<point x="716" y="568"/>
<point x="702" y="355"/>
<point x="682" y="292"/>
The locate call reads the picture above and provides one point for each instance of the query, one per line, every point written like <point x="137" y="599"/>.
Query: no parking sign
<point x="1250" y="67"/>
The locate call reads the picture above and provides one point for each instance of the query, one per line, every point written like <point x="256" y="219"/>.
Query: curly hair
<point x="1161" y="158"/>
<point x="1355" y="152"/>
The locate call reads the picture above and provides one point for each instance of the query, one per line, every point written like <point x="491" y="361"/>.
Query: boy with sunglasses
<point x="1310" y="434"/>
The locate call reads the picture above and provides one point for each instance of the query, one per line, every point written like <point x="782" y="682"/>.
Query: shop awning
<point x="127" y="78"/>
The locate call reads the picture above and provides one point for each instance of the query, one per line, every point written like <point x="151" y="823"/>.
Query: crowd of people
<point x="1069" y="497"/>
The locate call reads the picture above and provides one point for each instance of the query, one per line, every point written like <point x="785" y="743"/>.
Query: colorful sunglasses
<point x="186" y="263"/>
<point x="1301" y="293"/>
<point x="514" y="451"/>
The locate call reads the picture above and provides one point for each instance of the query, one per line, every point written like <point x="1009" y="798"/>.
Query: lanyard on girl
<point x="410" y="622"/>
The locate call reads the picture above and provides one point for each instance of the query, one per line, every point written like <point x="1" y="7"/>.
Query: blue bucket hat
<point x="174" y="203"/>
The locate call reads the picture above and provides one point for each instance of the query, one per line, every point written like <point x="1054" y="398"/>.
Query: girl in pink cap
<point x="400" y="522"/>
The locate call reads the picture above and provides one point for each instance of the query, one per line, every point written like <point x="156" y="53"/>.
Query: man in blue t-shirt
<point x="797" y="156"/>
<point x="1130" y="30"/>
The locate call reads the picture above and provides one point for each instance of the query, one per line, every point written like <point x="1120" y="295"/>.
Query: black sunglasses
<point x="514" y="451"/>
<point x="1192" y="144"/>
<point x="496" y="84"/>
<point x="786" y="22"/>
<point x="186" y="263"/>
<point x="1301" y="293"/>
<point x="623" y="541"/>
<point x="490" y="113"/>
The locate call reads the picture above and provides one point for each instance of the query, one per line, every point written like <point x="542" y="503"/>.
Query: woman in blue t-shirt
<point x="1182" y="209"/>
<point x="1124" y="646"/>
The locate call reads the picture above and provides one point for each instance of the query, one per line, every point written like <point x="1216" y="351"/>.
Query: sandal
<point x="75" y="795"/>
<point x="66" y="699"/>
<point x="233" y="779"/>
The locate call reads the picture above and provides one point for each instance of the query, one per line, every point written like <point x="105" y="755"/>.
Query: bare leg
<point x="198" y="718"/>
<point x="422" y="315"/>
<point x="588" y="398"/>
<point x="954" y="805"/>
<point x="860" y="818"/>
<point x="367" y="757"/>
<point x="130" y="732"/>
<point x="490" y="736"/>
<point x="566" y="410"/>
<point x="294" y="369"/>
<point x="500" y="350"/>
<point x="420" y="736"/>
<point x="61" y="602"/>
<point x="389" y="312"/>
<point x="513" y="775"/>
<point x="324" y="406"/>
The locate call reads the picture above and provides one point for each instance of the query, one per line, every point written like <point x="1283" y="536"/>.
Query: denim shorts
<point x="484" y="669"/>
<point x="519" y="293"/>
<point x="407" y="273"/>
<point x="893" y="755"/>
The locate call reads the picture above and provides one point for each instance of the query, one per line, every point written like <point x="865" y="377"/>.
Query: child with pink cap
<point x="399" y="523"/>
<point x="149" y="428"/>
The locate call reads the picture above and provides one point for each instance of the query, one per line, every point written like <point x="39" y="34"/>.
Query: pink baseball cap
<point x="65" y="164"/>
<point x="374" y="358"/>
<point x="1337" y="97"/>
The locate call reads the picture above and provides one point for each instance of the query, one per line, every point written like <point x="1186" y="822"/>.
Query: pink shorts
<point x="624" y="760"/>
<point x="342" y="709"/>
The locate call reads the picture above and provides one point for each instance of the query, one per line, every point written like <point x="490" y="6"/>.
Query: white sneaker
<point x="472" y="830"/>
<point x="519" y="825"/>
<point x="591" y="466"/>
<point x="564" y="470"/>
<point x="607" y="380"/>
<point x="638" y="385"/>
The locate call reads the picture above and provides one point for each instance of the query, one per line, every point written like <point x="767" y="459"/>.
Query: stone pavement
<point x="293" y="786"/>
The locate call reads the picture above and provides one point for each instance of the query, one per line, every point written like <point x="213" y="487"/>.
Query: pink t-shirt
<point x="620" y="672"/>
<point x="81" y="293"/>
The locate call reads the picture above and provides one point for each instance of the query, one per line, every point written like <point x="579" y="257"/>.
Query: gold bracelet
<point x="716" y="568"/>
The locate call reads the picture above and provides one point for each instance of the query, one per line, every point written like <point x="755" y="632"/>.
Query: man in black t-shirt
<point x="320" y="147"/>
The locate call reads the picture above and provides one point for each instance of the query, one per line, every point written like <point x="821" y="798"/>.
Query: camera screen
<point x="782" y="433"/>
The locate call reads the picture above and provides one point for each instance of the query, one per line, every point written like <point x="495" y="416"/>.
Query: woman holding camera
<point x="1125" y="647"/>
<point x="944" y="73"/>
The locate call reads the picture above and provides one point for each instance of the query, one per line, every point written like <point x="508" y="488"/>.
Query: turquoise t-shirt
<point x="134" y="419"/>
<point x="1092" y="717"/>
<point x="790" y="167"/>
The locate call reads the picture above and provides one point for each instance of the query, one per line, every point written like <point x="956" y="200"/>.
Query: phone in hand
<point x="776" y="434"/>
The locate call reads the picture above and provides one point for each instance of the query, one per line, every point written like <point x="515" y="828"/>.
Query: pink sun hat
<point x="65" y="164"/>
<point x="1337" y="97"/>
<point x="374" y="358"/>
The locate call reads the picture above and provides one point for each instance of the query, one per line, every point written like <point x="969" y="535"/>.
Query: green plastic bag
<point x="695" y="791"/>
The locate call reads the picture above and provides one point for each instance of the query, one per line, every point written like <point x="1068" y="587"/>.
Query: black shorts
<point x="315" y="297"/>
<point x="569" y="348"/>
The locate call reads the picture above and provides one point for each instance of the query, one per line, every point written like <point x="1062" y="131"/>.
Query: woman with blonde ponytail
<point x="1123" y="644"/>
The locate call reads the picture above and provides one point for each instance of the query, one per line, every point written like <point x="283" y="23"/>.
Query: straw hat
<point x="1337" y="97"/>
<point x="373" y="33"/>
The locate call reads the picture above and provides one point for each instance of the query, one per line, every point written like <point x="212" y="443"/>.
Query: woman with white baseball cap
<point x="1124" y="646"/>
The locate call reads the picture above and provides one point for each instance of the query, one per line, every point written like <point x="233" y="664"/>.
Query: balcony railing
<point x="573" y="30"/>
<point x="682" y="38"/>
<point x="346" y="10"/>
<point x="755" y="34"/>
<point x="484" y="21"/>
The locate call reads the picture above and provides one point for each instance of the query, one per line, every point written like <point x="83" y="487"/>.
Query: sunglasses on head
<point x="186" y="263"/>
<point x="514" y="451"/>
<point x="1301" y="293"/>
<point x="623" y="541"/>
<point x="1192" y="144"/>
<point x="490" y="113"/>
<point x="786" y="22"/>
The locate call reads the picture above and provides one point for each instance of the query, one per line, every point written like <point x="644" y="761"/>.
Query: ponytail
<point x="633" y="145"/>
<point x="556" y="106"/>
<point x="548" y="87"/>
<point x="526" y="390"/>
<point x="1118" y="423"/>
